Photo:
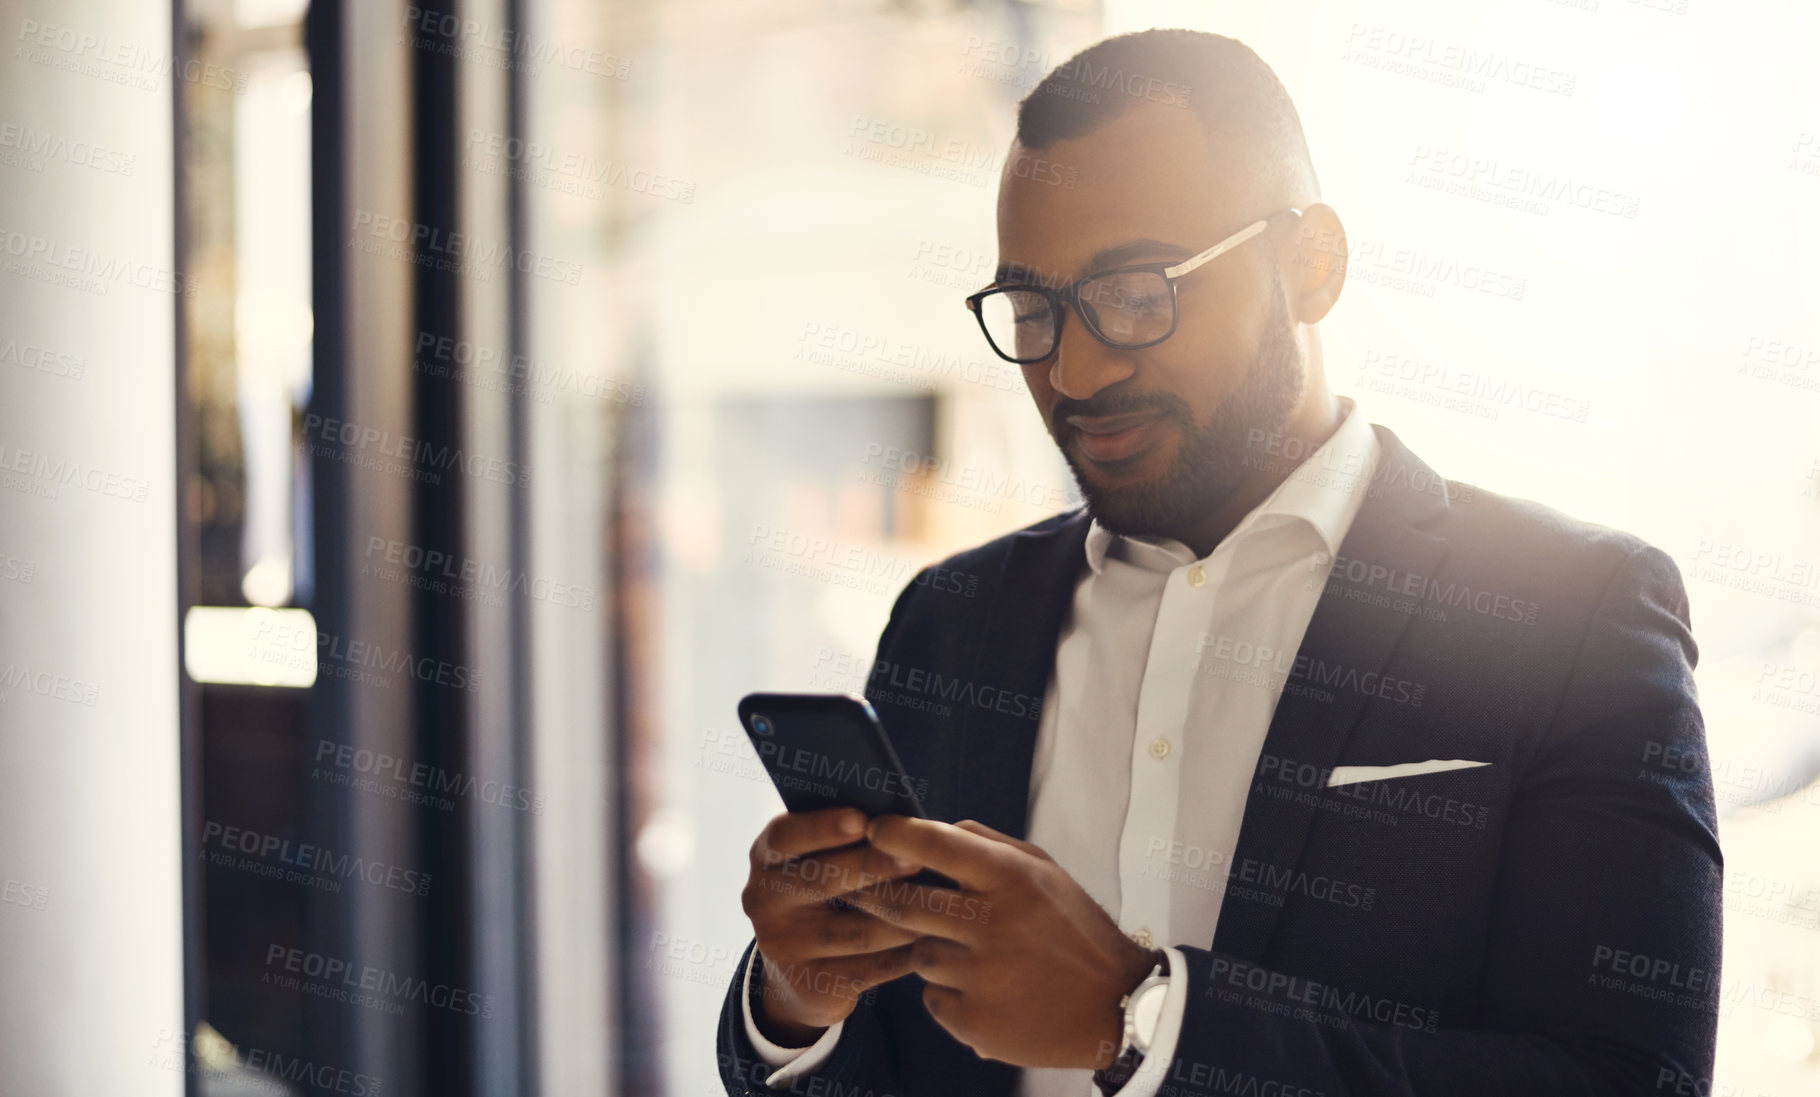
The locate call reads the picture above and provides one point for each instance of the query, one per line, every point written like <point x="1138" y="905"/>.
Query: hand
<point x="1021" y="964"/>
<point x="817" y="958"/>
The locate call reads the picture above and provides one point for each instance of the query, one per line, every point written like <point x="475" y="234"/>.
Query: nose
<point x="1082" y="365"/>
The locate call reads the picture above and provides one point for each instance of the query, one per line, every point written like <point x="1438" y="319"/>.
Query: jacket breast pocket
<point x="1454" y="804"/>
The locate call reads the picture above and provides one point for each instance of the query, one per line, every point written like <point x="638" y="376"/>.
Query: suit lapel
<point x="1346" y="636"/>
<point x="994" y="747"/>
<point x="1016" y="654"/>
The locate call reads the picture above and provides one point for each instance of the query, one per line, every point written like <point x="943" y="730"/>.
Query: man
<point x="1286" y="767"/>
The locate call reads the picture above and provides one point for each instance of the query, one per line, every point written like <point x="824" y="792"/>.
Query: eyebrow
<point x="1104" y="258"/>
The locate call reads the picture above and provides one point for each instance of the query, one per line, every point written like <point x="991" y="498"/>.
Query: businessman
<point x="1284" y="767"/>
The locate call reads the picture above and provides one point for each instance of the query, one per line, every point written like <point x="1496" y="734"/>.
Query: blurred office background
<point x="471" y="399"/>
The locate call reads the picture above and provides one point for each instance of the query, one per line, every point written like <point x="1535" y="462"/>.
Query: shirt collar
<point x="1325" y="491"/>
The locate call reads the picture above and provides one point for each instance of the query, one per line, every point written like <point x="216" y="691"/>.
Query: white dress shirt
<point x="1167" y="672"/>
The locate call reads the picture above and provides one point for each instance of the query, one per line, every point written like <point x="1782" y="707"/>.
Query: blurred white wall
<point x="90" y="870"/>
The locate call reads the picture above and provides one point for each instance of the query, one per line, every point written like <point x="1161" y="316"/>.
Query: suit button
<point x="1159" y="748"/>
<point x="1197" y="576"/>
<point x="1142" y="938"/>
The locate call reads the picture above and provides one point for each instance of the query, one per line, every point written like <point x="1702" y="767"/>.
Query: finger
<point x="841" y="933"/>
<point x="944" y="1005"/>
<point x="941" y="912"/>
<point x="843" y="976"/>
<point x="794" y="833"/>
<point x="971" y="859"/>
<point x="974" y="826"/>
<point x="940" y="961"/>
<point x="802" y="881"/>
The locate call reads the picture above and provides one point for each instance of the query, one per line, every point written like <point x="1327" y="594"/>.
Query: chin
<point x="1130" y="522"/>
<point x="1155" y="506"/>
<point x="1141" y="509"/>
<point x="1148" y="470"/>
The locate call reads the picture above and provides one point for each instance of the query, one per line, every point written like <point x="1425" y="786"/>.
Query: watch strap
<point x="755" y="988"/>
<point x="1110" y="1079"/>
<point x="1113" y="1078"/>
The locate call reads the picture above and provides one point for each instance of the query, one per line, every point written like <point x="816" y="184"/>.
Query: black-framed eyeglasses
<point x="1128" y="308"/>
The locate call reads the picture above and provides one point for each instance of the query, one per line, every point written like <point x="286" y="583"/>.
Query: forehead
<point x="1151" y="173"/>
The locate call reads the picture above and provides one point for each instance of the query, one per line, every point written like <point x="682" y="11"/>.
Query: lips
<point x="1115" y="437"/>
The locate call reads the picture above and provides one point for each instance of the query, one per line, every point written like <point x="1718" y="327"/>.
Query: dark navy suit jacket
<point x="1546" y="924"/>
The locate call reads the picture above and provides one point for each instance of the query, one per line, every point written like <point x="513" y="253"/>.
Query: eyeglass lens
<point x="1124" y="308"/>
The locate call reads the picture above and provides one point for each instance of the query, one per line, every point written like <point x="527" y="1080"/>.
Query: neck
<point x="1313" y="423"/>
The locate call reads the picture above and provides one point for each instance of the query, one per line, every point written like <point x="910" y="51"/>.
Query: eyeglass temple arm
<point x="1188" y="265"/>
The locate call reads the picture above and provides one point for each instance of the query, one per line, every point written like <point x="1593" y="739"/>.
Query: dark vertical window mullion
<point x="519" y="508"/>
<point x="440" y="624"/>
<point x="327" y="1026"/>
<point x="189" y="565"/>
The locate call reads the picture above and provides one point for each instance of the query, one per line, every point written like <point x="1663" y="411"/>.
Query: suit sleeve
<point x="863" y="1053"/>
<point x="789" y="1062"/>
<point x="1601" y="969"/>
<point x="860" y="1060"/>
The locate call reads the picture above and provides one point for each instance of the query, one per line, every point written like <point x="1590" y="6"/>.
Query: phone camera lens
<point x="762" y="725"/>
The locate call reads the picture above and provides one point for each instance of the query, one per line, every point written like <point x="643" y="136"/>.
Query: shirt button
<point x="1159" y="748"/>
<point x="1197" y="576"/>
<point x="1142" y="938"/>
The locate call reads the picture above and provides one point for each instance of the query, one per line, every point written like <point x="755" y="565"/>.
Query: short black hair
<point x="1238" y="98"/>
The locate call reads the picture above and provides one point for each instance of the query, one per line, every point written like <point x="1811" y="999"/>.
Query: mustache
<point x="1107" y="404"/>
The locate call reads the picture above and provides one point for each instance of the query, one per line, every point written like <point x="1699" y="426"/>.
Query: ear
<point x="974" y="826"/>
<point x="1313" y="263"/>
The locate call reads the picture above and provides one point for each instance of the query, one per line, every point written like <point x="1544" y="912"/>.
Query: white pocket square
<point x="1346" y="775"/>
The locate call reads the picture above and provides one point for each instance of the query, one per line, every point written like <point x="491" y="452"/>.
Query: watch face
<point x="1146" y="1009"/>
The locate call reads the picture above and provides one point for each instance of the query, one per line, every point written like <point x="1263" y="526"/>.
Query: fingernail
<point x="852" y="824"/>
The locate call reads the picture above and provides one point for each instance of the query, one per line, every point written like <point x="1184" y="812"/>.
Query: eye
<point x="1147" y="302"/>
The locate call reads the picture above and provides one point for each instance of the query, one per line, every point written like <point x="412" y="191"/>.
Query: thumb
<point x="974" y="826"/>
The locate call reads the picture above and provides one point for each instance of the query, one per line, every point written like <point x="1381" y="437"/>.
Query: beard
<point x="1211" y="460"/>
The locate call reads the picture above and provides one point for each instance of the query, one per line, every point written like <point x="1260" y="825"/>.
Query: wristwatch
<point x="1141" y="1007"/>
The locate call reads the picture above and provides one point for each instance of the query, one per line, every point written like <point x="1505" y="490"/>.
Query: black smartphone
<point x="826" y="750"/>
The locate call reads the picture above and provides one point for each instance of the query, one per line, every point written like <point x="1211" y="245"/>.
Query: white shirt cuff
<point x="794" y="1061"/>
<point x="1155" y="1067"/>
